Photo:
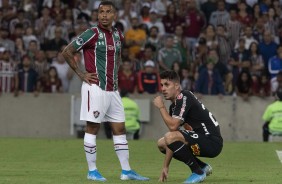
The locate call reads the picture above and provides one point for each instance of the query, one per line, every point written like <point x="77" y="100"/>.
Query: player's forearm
<point x="172" y="126"/>
<point x="68" y="54"/>
<point x="168" y="157"/>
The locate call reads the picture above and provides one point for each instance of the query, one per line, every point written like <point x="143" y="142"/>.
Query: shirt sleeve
<point x="267" y="116"/>
<point x="85" y="40"/>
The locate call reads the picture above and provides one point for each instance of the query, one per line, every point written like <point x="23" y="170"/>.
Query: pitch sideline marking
<point x="279" y="154"/>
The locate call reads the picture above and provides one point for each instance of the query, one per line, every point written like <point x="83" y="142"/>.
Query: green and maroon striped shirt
<point x="101" y="52"/>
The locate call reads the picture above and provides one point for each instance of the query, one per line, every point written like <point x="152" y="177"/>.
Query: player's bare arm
<point x="164" y="173"/>
<point x="68" y="54"/>
<point x="172" y="123"/>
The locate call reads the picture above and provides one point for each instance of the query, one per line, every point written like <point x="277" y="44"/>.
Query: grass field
<point x="52" y="161"/>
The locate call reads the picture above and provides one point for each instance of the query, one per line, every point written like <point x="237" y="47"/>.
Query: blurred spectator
<point x="29" y="36"/>
<point x="171" y="19"/>
<point x="224" y="49"/>
<point x="154" y="21"/>
<point x="267" y="47"/>
<point x="275" y="65"/>
<point x="127" y="78"/>
<point x="257" y="64"/>
<point x="41" y="65"/>
<point x="149" y="53"/>
<point x="94" y="18"/>
<point x="258" y="29"/>
<point x="135" y="37"/>
<point x="50" y="32"/>
<point x="51" y="83"/>
<point x="276" y="82"/>
<point x="62" y="68"/>
<point x="132" y="115"/>
<point x="223" y="70"/>
<point x="75" y="81"/>
<point x="168" y="55"/>
<point x="26" y="78"/>
<point x="261" y="86"/>
<point x="239" y="60"/>
<point x="181" y="45"/>
<point x="211" y="37"/>
<point x="154" y="38"/>
<point x="187" y="80"/>
<point x="20" y="49"/>
<point x="54" y="45"/>
<point x="126" y="13"/>
<point x="209" y="7"/>
<point x="248" y="37"/>
<point x="32" y="50"/>
<point x="145" y="11"/>
<point x="7" y="72"/>
<point x="194" y="23"/>
<point x="42" y="23"/>
<point x="176" y="67"/>
<point x="148" y="79"/>
<point x="5" y="41"/>
<point x="57" y="8"/>
<point x="82" y="11"/>
<point x="220" y="16"/>
<point x="244" y="85"/>
<point x="68" y="22"/>
<point x="19" y="19"/>
<point x="272" y="22"/>
<point x="244" y="17"/>
<point x="233" y="28"/>
<point x="256" y="11"/>
<point x="201" y="52"/>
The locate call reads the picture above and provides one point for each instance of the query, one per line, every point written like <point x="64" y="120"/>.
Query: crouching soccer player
<point x="200" y="138"/>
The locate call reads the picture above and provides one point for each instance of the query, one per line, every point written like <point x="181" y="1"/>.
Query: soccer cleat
<point x="132" y="175"/>
<point x="195" y="178"/>
<point x="207" y="169"/>
<point x="95" y="175"/>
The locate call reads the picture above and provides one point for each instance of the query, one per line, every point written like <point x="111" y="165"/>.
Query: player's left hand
<point x="164" y="175"/>
<point x="158" y="102"/>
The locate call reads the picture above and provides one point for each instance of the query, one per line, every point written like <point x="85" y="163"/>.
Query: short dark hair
<point x="110" y="3"/>
<point x="170" y="75"/>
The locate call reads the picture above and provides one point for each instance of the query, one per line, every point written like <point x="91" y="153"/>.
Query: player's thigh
<point x="115" y="112"/>
<point x="93" y="103"/>
<point x="202" y="145"/>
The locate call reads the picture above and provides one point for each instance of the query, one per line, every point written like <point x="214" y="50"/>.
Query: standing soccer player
<point x="101" y="101"/>
<point x="200" y="136"/>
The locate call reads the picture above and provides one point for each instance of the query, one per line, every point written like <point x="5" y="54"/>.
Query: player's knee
<point x="170" y="137"/>
<point x="161" y="145"/>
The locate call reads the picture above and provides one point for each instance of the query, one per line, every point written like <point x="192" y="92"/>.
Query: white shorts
<point x="99" y="106"/>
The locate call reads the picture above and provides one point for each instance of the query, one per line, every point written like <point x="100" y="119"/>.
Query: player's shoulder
<point x="118" y="31"/>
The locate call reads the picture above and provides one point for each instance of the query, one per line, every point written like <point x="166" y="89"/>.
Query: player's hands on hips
<point x="164" y="175"/>
<point x="90" y="78"/>
<point x="158" y="102"/>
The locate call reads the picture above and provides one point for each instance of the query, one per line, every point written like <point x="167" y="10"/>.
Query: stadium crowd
<point x="217" y="47"/>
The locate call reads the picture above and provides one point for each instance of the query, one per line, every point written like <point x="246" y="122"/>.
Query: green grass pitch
<point x="57" y="161"/>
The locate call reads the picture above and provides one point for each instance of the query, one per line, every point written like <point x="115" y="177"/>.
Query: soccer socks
<point x="90" y="150"/>
<point x="200" y="162"/>
<point x="182" y="153"/>
<point x="121" y="148"/>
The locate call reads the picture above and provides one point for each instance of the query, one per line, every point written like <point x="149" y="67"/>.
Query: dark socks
<point x="182" y="153"/>
<point x="201" y="163"/>
<point x="265" y="132"/>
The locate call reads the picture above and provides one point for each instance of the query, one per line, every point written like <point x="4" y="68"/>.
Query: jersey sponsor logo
<point x="118" y="43"/>
<point x="101" y="35"/>
<point x="180" y="96"/>
<point x="79" y="41"/>
<point x="110" y="47"/>
<point x="195" y="149"/>
<point x="205" y="129"/>
<point x="96" y="114"/>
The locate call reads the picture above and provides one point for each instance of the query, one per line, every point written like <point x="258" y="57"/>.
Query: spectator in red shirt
<point x="127" y="79"/>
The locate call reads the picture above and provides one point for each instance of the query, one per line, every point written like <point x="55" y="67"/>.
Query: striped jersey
<point x="101" y="52"/>
<point x="7" y="76"/>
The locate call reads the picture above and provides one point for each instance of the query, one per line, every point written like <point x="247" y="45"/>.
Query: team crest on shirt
<point x="180" y="96"/>
<point x="101" y="35"/>
<point x="96" y="114"/>
<point x="195" y="149"/>
<point x="110" y="47"/>
<point x="79" y="41"/>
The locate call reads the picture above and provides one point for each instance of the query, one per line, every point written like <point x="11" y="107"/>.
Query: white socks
<point x="90" y="150"/>
<point x="121" y="148"/>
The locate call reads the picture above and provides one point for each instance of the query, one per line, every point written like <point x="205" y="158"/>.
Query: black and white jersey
<point x="190" y="110"/>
